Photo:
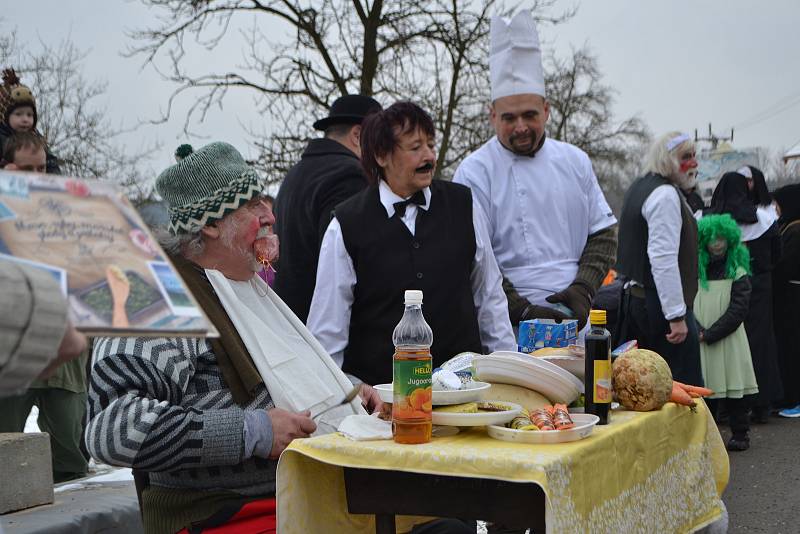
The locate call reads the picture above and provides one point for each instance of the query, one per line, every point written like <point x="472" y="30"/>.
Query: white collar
<point x="389" y="197"/>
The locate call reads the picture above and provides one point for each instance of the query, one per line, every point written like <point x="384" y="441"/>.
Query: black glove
<point x="576" y="297"/>
<point x="542" y="312"/>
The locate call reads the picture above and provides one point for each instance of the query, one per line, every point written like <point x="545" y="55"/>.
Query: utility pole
<point x="713" y="139"/>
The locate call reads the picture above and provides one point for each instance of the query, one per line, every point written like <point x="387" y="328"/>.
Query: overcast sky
<point x="678" y="64"/>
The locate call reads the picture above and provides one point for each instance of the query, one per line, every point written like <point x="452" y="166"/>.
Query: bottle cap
<point x="597" y="317"/>
<point x="413" y="296"/>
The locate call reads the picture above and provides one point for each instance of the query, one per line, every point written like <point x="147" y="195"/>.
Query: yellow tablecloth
<point x="661" y="471"/>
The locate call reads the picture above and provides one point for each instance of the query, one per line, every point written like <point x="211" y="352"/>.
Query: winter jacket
<point x="327" y="174"/>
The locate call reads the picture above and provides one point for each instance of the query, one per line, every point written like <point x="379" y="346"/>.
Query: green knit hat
<point x="207" y="185"/>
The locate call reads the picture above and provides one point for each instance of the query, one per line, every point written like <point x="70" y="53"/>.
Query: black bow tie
<point x="417" y="198"/>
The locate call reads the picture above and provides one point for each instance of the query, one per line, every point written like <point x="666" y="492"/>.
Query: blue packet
<point x="540" y="333"/>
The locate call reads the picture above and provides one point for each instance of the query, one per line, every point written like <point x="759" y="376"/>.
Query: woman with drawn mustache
<point x="406" y="231"/>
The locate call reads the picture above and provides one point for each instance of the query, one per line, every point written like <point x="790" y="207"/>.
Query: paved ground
<point x="764" y="490"/>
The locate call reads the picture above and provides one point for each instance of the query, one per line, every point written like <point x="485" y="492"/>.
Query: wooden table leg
<point x="384" y="524"/>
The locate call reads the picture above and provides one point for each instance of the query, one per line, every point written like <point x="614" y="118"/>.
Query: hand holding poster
<point x="90" y="238"/>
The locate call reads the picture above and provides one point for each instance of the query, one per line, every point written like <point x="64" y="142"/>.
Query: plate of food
<point x="476" y="413"/>
<point x="472" y="392"/>
<point x="545" y="425"/>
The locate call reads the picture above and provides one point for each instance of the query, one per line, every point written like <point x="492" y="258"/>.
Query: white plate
<point x="442" y="398"/>
<point x="535" y="363"/>
<point x="584" y="424"/>
<point x="554" y="389"/>
<point x="573" y="364"/>
<point x="477" y="419"/>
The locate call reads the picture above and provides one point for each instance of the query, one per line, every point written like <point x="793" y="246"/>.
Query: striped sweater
<point x="162" y="406"/>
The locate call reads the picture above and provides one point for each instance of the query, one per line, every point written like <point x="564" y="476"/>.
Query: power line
<point x="772" y="110"/>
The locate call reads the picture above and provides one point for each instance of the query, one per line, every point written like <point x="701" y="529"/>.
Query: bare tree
<point x="77" y="128"/>
<point x="581" y="113"/>
<point x="433" y="52"/>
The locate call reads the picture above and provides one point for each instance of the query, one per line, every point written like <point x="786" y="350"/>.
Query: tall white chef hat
<point x="515" y="57"/>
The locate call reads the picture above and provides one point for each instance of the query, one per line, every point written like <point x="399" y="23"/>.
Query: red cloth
<point x="257" y="517"/>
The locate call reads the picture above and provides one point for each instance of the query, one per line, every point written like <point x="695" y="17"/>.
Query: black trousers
<point x="643" y="320"/>
<point x="738" y="413"/>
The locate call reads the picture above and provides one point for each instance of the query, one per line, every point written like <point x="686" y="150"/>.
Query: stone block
<point x="26" y="471"/>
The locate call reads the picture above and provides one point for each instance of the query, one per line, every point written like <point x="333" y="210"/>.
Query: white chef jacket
<point x="329" y="316"/>
<point x="541" y="210"/>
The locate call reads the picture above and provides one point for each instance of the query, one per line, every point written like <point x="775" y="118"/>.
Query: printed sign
<point x="117" y="279"/>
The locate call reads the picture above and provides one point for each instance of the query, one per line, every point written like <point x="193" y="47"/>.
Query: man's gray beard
<point x="685" y="181"/>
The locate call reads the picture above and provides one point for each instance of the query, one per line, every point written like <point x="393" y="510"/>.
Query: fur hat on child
<point x="14" y="95"/>
<point x="205" y="186"/>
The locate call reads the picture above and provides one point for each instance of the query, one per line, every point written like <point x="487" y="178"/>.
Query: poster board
<point x="116" y="278"/>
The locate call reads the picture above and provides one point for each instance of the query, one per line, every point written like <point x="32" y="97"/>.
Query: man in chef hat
<point x="552" y="230"/>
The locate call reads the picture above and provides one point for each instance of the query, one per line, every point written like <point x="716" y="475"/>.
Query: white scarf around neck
<point x="297" y="371"/>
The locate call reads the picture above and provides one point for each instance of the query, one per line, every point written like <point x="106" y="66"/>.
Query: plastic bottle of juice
<point x="411" y="374"/>
<point x="598" y="367"/>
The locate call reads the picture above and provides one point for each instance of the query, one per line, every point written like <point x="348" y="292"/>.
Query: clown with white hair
<point x="658" y="257"/>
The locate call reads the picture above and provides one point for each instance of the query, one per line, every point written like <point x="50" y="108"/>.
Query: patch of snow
<point x="31" y="424"/>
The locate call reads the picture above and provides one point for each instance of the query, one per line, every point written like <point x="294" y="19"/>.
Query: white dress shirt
<point x="329" y="316"/>
<point x="662" y="211"/>
<point x="540" y="212"/>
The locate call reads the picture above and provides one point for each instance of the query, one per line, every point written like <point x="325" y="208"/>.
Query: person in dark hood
<point x="743" y="194"/>
<point x="732" y="196"/>
<point x="757" y="190"/>
<point x="329" y="172"/>
<point x="786" y="284"/>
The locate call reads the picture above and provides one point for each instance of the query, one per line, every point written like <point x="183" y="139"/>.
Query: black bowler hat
<point x="348" y="109"/>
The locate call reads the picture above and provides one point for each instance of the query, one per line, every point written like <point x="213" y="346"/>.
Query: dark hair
<point x="380" y="132"/>
<point x="760" y="193"/>
<point x="788" y="199"/>
<point x="18" y="141"/>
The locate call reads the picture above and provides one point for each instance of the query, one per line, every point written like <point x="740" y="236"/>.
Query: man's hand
<point x="287" y="426"/>
<point x="73" y="344"/>
<point x="576" y="297"/>
<point x="677" y="332"/>
<point x="542" y="312"/>
<point x="701" y="336"/>
<point x="370" y="398"/>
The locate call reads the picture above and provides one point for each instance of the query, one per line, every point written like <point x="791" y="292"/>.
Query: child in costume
<point x="720" y="307"/>
<point x="18" y="112"/>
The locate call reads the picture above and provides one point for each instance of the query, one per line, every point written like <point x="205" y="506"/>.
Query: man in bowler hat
<point x="328" y="173"/>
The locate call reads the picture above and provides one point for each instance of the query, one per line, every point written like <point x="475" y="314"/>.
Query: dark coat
<point x="327" y="174"/>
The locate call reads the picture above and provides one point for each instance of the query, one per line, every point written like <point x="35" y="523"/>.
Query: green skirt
<point x="727" y="365"/>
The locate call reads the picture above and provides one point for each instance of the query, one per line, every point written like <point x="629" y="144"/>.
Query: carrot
<point x="680" y="396"/>
<point x="695" y="391"/>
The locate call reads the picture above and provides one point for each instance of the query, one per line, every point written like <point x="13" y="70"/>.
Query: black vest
<point x="632" y="258"/>
<point x="388" y="260"/>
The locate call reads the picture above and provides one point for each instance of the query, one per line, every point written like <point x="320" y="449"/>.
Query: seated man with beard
<point x="206" y="419"/>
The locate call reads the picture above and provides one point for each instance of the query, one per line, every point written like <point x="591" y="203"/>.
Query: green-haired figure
<point x="720" y="308"/>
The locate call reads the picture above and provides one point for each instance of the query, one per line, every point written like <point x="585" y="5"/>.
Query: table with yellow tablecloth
<point x="661" y="471"/>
